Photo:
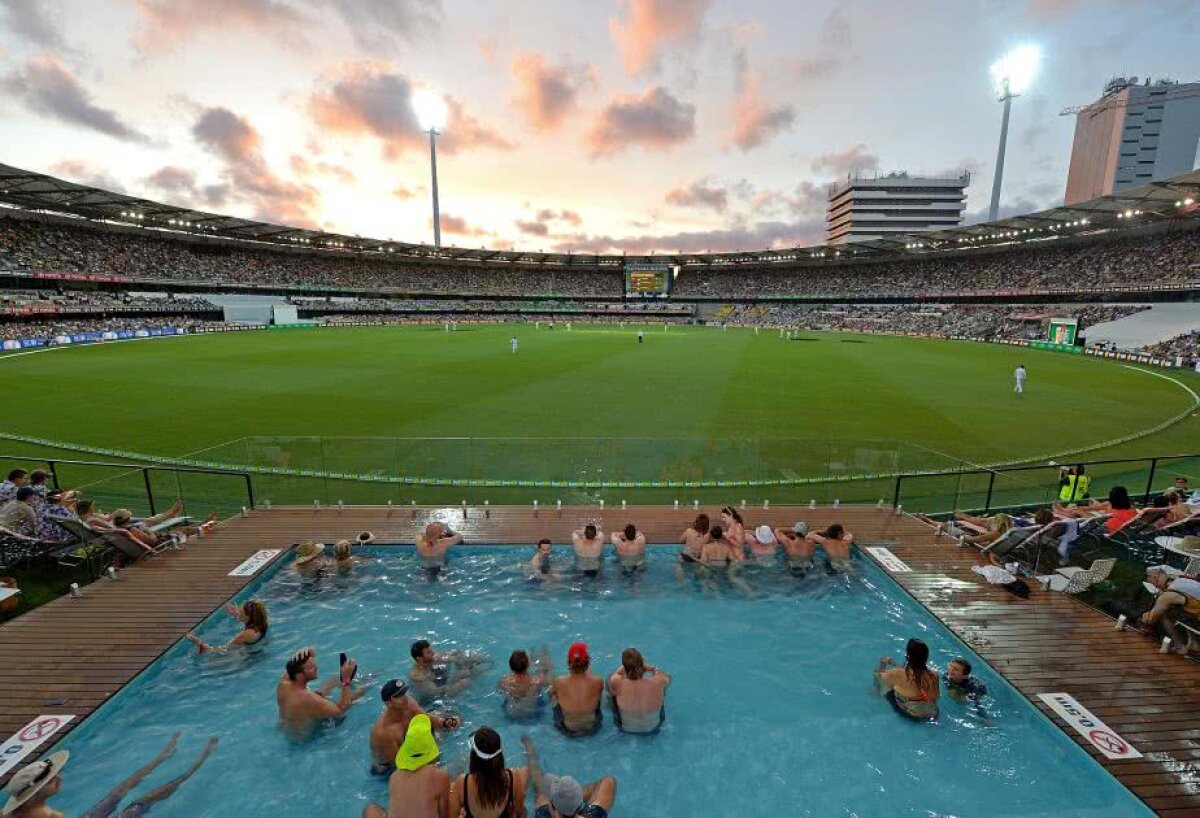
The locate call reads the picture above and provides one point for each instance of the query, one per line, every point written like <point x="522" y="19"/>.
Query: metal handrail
<point x="144" y="468"/>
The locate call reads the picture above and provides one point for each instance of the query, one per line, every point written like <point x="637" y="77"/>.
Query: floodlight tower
<point x="1011" y="75"/>
<point x="431" y="115"/>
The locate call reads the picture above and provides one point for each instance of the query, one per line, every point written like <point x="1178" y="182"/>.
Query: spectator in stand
<point x="59" y="505"/>
<point x="16" y="479"/>
<point x="18" y="514"/>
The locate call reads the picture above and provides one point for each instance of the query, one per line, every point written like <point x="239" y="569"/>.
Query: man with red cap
<point x="576" y="696"/>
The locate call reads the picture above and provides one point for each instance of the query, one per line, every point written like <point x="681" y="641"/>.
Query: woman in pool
<point x="343" y="559"/>
<point x="252" y="615"/>
<point x="913" y="690"/>
<point x="694" y="539"/>
<point x="836" y="541"/>
<point x="735" y="532"/>
<point x="489" y="789"/>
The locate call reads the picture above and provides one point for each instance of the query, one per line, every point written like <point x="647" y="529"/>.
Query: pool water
<point x="771" y="711"/>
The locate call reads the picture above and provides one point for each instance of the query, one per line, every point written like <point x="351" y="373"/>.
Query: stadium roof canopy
<point x="38" y="192"/>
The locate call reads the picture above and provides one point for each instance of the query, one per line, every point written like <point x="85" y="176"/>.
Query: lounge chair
<point x="17" y="548"/>
<point x="1010" y="540"/>
<point x="1075" y="580"/>
<point x="125" y="545"/>
<point x="89" y="544"/>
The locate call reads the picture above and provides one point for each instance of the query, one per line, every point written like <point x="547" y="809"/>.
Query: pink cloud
<point x="48" y="88"/>
<point x="249" y="178"/>
<point x="651" y="26"/>
<point x="854" y="159"/>
<point x="546" y="94"/>
<point x="83" y="172"/>
<point x="654" y="120"/>
<point x="754" y="120"/>
<point x="458" y="226"/>
<point x="699" y="194"/>
<point x="756" y="236"/>
<point x="164" y="23"/>
<point x="369" y="98"/>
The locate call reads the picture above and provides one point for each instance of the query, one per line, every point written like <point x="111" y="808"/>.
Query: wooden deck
<point x="71" y="655"/>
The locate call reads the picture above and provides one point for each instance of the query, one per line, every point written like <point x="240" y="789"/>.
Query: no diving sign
<point x="27" y="739"/>
<point x="1098" y="734"/>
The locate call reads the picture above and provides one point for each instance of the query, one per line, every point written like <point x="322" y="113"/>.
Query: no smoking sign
<point x="1108" y="741"/>
<point x="25" y="741"/>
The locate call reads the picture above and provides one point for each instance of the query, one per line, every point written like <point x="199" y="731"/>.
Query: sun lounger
<point x="1076" y="580"/>
<point x="125" y="545"/>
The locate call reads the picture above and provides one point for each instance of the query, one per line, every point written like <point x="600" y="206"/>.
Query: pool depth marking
<point x="888" y="560"/>
<point x="1098" y="734"/>
<point x="255" y="562"/>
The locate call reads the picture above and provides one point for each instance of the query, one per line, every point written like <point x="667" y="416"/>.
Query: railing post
<point x="987" y="503"/>
<point x="249" y="490"/>
<point x="149" y="490"/>
<point x="896" y="495"/>
<point x="53" y="464"/>
<point x="1150" y="481"/>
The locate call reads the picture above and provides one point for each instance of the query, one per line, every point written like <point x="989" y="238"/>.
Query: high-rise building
<point x="862" y="208"/>
<point x="1133" y="135"/>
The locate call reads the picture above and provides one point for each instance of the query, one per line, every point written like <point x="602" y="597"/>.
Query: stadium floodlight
<point x="1011" y="76"/>
<point x="430" y="109"/>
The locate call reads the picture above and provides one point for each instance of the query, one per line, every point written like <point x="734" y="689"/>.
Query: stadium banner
<point x="92" y="337"/>
<point x="1074" y="350"/>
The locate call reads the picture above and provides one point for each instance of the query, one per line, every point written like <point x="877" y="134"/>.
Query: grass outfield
<point x="688" y="404"/>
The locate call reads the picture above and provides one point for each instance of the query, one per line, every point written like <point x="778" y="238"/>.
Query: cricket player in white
<point x="1020" y="376"/>
<point x="513" y="344"/>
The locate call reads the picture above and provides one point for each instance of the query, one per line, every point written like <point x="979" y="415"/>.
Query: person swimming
<point x="913" y="690"/>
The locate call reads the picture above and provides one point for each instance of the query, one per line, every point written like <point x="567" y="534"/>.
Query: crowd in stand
<point x="1164" y="259"/>
<point x="1171" y="259"/>
<point x="1186" y="346"/>
<point x="476" y="305"/>
<point x="52" y="329"/>
<point x="971" y="320"/>
<point x="36" y="246"/>
<point x="77" y="301"/>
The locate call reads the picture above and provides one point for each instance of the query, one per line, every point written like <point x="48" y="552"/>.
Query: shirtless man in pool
<point x="389" y="730"/>
<point x="300" y="709"/>
<point x="589" y="548"/>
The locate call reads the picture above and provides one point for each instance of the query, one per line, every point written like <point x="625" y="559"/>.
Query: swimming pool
<point x="771" y="710"/>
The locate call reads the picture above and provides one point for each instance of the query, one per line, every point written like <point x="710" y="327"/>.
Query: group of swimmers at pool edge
<point x="726" y="544"/>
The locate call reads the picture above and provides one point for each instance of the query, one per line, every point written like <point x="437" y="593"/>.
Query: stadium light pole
<point x="1011" y="75"/>
<point x="431" y="115"/>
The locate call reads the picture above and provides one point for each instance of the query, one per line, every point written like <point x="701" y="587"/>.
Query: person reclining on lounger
<point x="1118" y="506"/>
<point x="149" y="539"/>
<point x="994" y="527"/>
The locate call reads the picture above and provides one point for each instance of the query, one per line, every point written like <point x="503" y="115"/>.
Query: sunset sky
<point x="591" y="125"/>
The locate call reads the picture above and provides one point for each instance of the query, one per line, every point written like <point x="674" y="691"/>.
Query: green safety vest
<point x="1071" y="492"/>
